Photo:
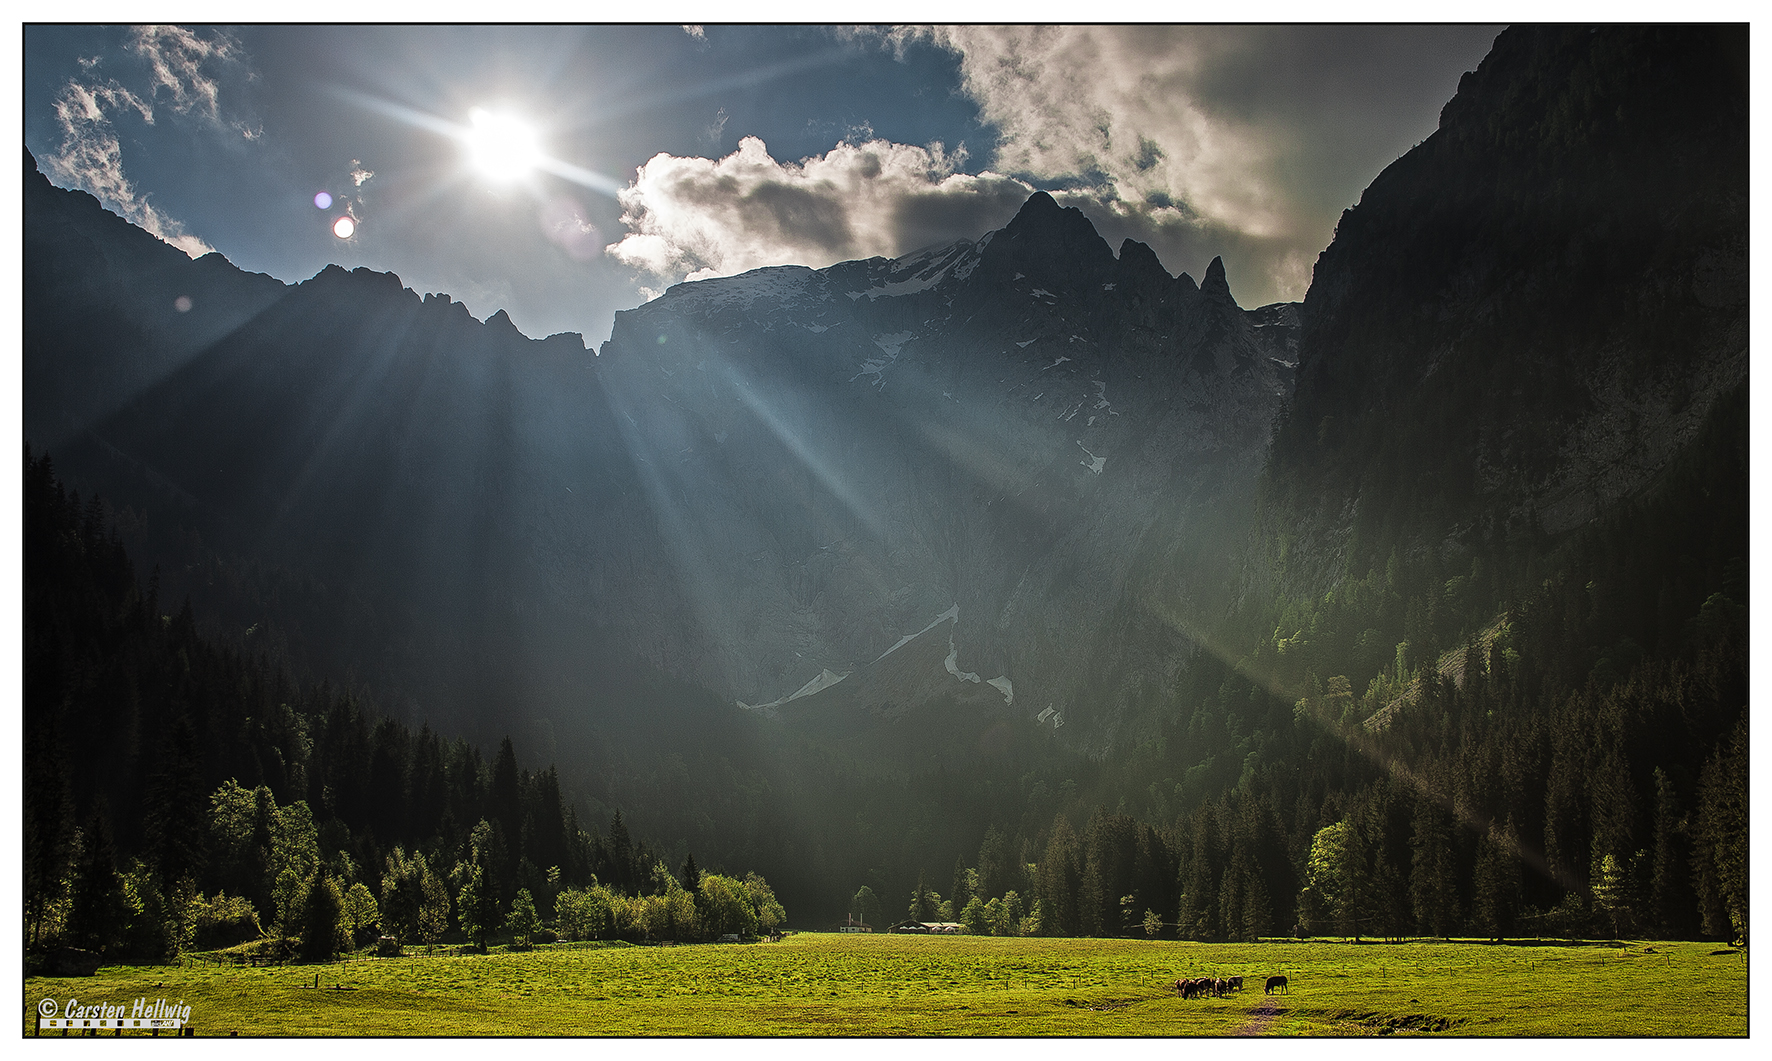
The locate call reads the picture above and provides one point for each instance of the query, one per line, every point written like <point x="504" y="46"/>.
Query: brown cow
<point x="1273" y="982"/>
<point x="1189" y="988"/>
<point x="1236" y="983"/>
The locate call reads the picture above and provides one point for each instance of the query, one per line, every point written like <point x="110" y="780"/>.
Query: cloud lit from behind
<point x="700" y="217"/>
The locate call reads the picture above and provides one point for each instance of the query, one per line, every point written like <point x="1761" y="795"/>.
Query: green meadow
<point x="816" y="985"/>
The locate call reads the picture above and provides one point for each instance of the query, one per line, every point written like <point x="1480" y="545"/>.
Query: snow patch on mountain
<point x="775" y="283"/>
<point x="876" y="366"/>
<point x="952" y="613"/>
<point x="1094" y="463"/>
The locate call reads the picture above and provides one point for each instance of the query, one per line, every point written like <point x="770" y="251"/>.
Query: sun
<point x="502" y="146"/>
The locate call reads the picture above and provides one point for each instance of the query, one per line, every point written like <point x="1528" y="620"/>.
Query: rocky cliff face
<point x="762" y="482"/>
<point x="1028" y="429"/>
<point x="1529" y="314"/>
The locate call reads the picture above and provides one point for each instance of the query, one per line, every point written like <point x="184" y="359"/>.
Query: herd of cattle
<point x="1215" y="987"/>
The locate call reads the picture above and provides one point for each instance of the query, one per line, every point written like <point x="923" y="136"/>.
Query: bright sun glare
<point x="503" y="147"/>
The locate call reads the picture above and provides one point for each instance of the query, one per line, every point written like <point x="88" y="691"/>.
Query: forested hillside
<point x="184" y="793"/>
<point x="1488" y="672"/>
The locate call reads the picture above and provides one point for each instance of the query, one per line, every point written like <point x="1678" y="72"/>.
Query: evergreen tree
<point x="100" y="910"/>
<point x="1671" y="903"/>
<point x="476" y="904"/>
<point x="322" y="919"/>
<point x="995" y="865"/>
<point x="1433" y="884"/>
<point x="1495" y="885"/>
<point x="619" y="860"/>
<point x="177" y="805"/>
<point x="1058" y="881"/>
<point x="1202" y="873"/>
<point x="504" y="797"/>
<point x="962" y="891"/>
<point x="923" y="901"/>
<point x="48" y="829"/>
<point x="1720" y="845"/>
<point x="1258" y="917"/>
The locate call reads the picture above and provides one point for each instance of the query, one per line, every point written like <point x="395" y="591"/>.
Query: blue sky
<point x="669" y="152"/>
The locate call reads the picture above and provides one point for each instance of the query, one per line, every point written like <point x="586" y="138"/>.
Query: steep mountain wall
<point x="1526" y="316"/>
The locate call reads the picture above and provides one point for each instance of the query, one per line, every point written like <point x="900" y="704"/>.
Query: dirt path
<point x="1260" y="1016"/>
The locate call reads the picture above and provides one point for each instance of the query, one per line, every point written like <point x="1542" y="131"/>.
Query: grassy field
<point x="815" y="985"/>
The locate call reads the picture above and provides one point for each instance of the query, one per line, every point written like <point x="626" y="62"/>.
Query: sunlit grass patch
<point x="814" y="985"/>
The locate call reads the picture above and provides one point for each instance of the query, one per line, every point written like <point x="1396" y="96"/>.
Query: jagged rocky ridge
<point x="761" y="479"/>
<point x="1028" y="431"/>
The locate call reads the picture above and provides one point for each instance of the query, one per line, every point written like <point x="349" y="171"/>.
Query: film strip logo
<point x="143" y="1016"/>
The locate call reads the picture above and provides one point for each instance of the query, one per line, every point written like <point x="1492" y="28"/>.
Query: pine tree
<point x="48" y="830"/>
<point x="1058" y="879"/>
<point x="1719" y="853"/>
<point x="100" y="910"/>
<point x="1671" y="903"/>
<point x="1495" y="885"/>
<point x="994" y="864"/>
<point x="962" y="891"/>
<point x="322" y="919"/>
<point x="923" y="901"/>
<point x="177" y="805"/>
<point x="1433" y="885"/>
<point x="622" y="871"/>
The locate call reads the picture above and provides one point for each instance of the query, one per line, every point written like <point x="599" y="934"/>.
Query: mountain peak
<point x="1214" y="285"/>
<point x="1043" y="232"/>
<point x="1041" y="214"/>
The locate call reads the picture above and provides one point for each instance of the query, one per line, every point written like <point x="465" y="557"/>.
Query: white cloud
<point x="91" y="157"/>
<point x="91" y="153"/>
<point x="695" y="31"/>
<point x="1121" y="107"/>
<point x="175" y="58"/>
<point x="697" y="217"/>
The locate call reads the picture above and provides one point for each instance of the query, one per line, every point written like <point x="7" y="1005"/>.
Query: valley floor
<point x="835" y="985"/>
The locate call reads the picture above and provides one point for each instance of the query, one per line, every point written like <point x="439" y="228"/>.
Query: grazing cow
<point x="1236" y="983"/>
<point x="1273" y="982"/>
<point x="1190" y="989"/>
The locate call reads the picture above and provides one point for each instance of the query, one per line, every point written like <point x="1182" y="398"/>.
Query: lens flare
<point x="323" y="200"/>
<point x="344" y="228"/>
